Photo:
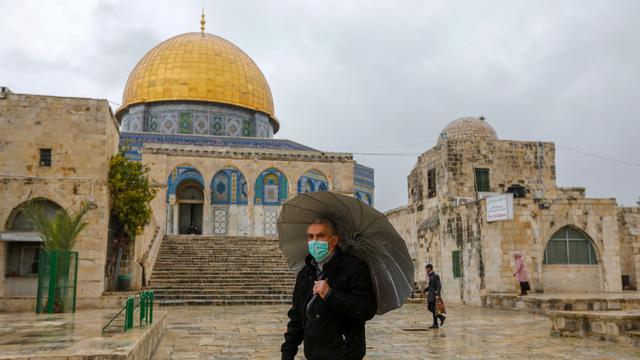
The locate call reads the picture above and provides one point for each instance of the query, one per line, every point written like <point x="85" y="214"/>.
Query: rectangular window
<point x="22" y="259"/>
<point x="482" y="180"/>
<point x="45" y="157"/>
<point x="431" y="183"/>
<point x="457" y="265"/>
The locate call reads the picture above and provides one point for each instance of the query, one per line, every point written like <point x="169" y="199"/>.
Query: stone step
<point x="231" y="287"/>
<point x="217" y="302"/>
<point x="197" y="270"/>
<point x="239" y="272"/>
<point x="212" y="261"/>
<point x="191" y="283"/>
<point x="215" y="290"/>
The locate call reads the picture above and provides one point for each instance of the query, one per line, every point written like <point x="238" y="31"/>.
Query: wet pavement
<point x="255" y="332"/>
<point x="74" y="336"/>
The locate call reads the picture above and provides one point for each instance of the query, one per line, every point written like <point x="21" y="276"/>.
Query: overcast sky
<point x="377" y="76"/>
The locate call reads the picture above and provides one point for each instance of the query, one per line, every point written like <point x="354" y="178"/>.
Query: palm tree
<point x="58" y="234"/>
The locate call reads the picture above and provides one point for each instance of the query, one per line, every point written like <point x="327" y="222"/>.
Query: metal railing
<point x="144" y="303"/>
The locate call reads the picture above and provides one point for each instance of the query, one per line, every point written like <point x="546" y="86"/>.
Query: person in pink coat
<point x="521" y="273"/>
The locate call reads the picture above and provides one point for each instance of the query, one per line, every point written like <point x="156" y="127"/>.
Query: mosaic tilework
<point x="270" y="220"/>
<point x="312" y="181"/>
<point x="201" y="124"/>
<point x="193" y="118"/>
<point x="218" y="126"/>
<point x="221" y="141"/>
<point x="271" y="188"/>
<point x="366" y="197"/>
<point x="363" y="183"/>
<point x="154" y="123"/>
<point x="220" y="221"/>
<point x="233" y="127"/>
<point x="229" y="186"/>
<point x="185" y="123"/>
<point x="168" y="123"/>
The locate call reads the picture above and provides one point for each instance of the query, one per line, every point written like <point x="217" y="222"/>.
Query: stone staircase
<point x="208" y="270"/>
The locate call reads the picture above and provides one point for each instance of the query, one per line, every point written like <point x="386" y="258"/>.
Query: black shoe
<point x="435" y="326"/>
<point x="442" y="318"/>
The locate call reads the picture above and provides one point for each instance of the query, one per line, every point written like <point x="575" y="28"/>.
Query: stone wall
<point x="528" y="163"/>
<point x="83" y="135"/>
<point x="491" y="265"/>
<point x="629" y="225"/>
<point x="404" y="221"/>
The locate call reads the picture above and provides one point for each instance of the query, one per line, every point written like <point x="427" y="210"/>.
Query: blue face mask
<point x="318" y="249"/>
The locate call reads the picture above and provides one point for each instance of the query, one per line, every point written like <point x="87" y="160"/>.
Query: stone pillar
<point x="172" y="218"/>
<point x="176" y="219"/>
<point x="3" y="268"/>
<point x="207" y="214"/>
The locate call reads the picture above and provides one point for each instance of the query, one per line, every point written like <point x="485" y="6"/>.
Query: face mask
<point x="318" y="249"/>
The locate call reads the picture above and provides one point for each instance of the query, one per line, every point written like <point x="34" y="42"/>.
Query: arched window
<point x="21" y="222"/>
<point x="229" y="186"/>
<point x="311" y="181"/>
<point x="271" y="188"/>
<point x="569" y="246"/>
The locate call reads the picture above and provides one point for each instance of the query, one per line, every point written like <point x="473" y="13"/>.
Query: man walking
<point x="332" y="325"/>
<point x="433" y="290"/>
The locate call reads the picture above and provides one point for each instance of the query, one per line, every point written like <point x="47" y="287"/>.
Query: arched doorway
<point x="185" y="200"/>
<point x="190" y="199"/>
<point x="570" y="263"/>
<point x="23" y="250"/>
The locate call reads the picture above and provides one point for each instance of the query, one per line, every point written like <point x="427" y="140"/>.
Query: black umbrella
<point x="364" y="231"/>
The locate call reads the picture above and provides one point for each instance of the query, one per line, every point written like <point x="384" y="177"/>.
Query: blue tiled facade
<point x="186" y="117"/>
<point x="312" y="181"/>
<point x="138" y="139"/>
<point x="363" y="183"/>
<point x="229" y="187"/>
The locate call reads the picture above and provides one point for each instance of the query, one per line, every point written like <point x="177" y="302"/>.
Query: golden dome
<point x="200" y="67"/>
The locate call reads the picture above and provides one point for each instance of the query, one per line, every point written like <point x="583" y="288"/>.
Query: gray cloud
<point x="376" y="76"/>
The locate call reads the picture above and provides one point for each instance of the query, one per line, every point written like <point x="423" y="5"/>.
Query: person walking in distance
<point x="521" y="273"/>
<point x="433" y="290"/>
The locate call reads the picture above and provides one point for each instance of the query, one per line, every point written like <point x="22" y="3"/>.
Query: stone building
<point x="475" y="199"/>
<point x="55" y="150"/>
<point x="199" y="113"/>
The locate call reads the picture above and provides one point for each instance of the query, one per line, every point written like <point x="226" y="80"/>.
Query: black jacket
<point x="336" y="328"/>
<point x="434" y="288"/>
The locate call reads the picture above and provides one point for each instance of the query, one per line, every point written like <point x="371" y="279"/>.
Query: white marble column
<point x="207" y="214"/>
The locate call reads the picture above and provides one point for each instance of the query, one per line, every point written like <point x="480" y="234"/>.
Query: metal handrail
<point x="145" y="303"/>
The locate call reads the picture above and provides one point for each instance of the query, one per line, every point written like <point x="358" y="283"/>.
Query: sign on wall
<point x="500" y="207"/>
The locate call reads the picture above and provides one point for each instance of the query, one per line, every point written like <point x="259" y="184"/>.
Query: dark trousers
<point x="431" y="305"/>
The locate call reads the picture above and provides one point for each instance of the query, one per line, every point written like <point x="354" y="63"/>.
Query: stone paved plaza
<point x="255" y="332"/>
